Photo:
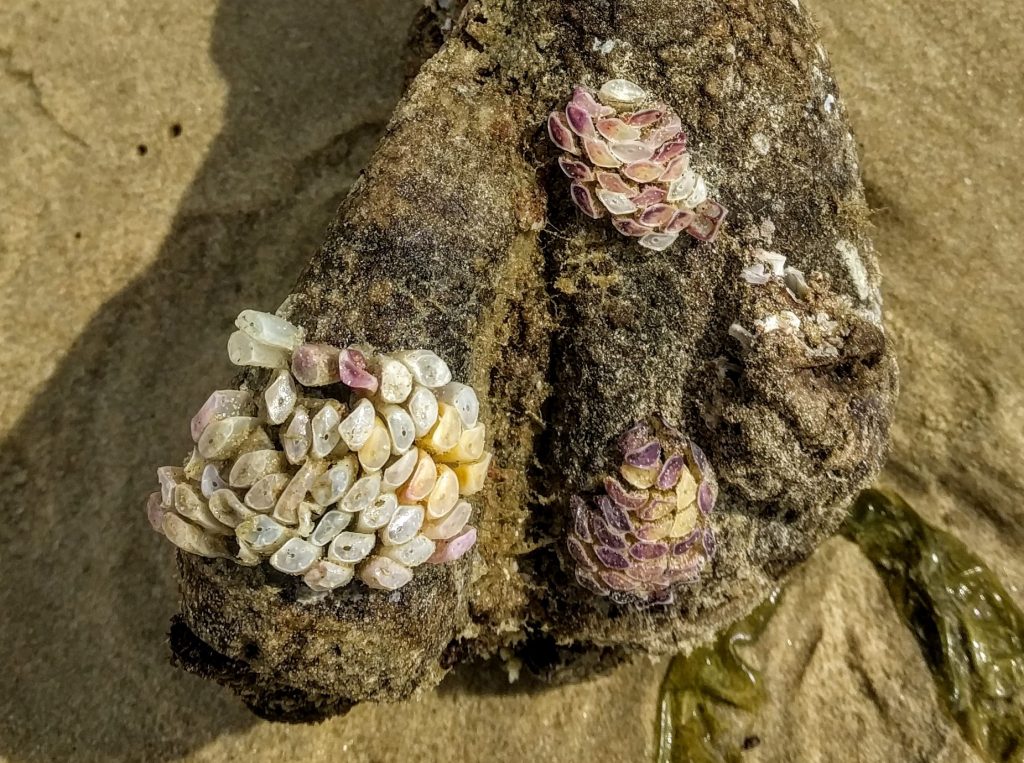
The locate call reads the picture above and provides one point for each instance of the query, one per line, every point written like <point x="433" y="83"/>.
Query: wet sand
<point x="127" y="245"/>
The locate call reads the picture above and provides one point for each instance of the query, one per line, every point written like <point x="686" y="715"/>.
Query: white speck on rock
<point x="855" y="266"/>
<point x="605" y="47"/>
<point x="761" y="143"/>
<point x="830" y="103"/>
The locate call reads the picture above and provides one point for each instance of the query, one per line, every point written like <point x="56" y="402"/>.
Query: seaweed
<point x="699" y="687"/>
<point x="969" y="629"/>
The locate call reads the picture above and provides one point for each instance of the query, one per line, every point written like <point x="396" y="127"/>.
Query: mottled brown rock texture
<point x="460" y="237"/>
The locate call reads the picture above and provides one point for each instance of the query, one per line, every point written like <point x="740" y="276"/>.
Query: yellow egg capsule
<point x="422" y="480"/>
<point x="472" y="476"/>
<point x="445" y="494"/>
<point x="470" y="447"/>
<point x="446" y="432"/>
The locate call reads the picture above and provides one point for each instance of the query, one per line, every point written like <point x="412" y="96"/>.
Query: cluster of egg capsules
<point x="320" y="488"/>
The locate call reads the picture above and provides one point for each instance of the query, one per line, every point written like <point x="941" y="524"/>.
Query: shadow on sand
<point x="87" y="588"/>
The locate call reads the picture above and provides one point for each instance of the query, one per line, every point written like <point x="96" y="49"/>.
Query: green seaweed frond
<point x="968" y="627"/>
<point x="698" y="687"/>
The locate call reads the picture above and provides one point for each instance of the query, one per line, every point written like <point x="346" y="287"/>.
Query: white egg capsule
<point x="295" y="557"/>
<point x="400" y="470"/>
<point x="330" y="524"/>
<point x="324" y="431"/>
<point x="358" y="425"/>
<point x="296" y="437"/>
<point x="336" y="481"/>
<point x="327" y="576"/>
<point x="422" y="407"/>
<point x="255" y="465"/>
<point x="400" y="427"/>
<point x="243" y="350"/>
<point x="426" y="367"/>
<point x="395" y="379"/>
<point x="377" y="448"/>
<point x="377" y="514"/>
<point x="411" y="554"/>
<point x="463" y="399"/>
<point x="385" y="574"/>
<point x="404" y="525"/>
<point x="279" y="397"/>
<point x="270" y="329"/>
<point x="362" y="493"/>
<point x="349" y="547"/>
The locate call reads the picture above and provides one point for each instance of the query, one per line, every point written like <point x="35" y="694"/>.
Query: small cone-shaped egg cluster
<point x="346" y="464"/>
<point x="626" y="156"/>
<point x="648" y="530"/>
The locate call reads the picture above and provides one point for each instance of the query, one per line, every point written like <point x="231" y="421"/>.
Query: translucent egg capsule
<point x="456" y="548"/>
<point x="621" y="91"/>
<point x="404" y="525"/>
<point x="330" y="524"/>
<point x="446" y="432"/>
<point x="327" y="576"/>
<point x="377" y="448"/>
<point x="222" y="438"/>
<point x="385" y="574"/>
<point x="263" y="495"/>
<point x="396" y="379"/>
<point x="279" y="397"/>
<point x="330" y="486"/>
<point x="377" y="514"/>
<point x="286" y="508"/>
<point x="316" y="365"/>
<point x="472" y="476"/>
<point x="361" y="494"/>
<point x="426" y="367"/>
<point x="400" y="427"/>
<point x="270" y="329"/>
<point x="220" y="405"/>
<point x="422" y="407"/>
<point x="191" y="539"/>
<point x="324" y="429"/>
<point x="450" y="525"/>
<point x="355" y="429"/>
<point x="422" y="480"/>
<point x="243" y="350"/>
<point x="445" y="493"/>
<point x="228" y="508"/>
<point x="155" y="512"/>
<point x="349" y="547"/>
<point x="252" y="466"/>
<point x="412" y="553"/>
<point x="262" y="534"/>
<point x="169" y="476"/>
<point x="396" y="474"/>
<point x="354" y="373"/>
<point x="210" y="481"/>
<point x="463" y="399"/>
<point x="295" y="556"/>
<point x="190" y="506"/>
<point x="194" y="465"/>
<point x="297" y="436"/>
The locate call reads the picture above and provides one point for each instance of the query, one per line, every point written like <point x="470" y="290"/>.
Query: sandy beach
<point x="165" y="165"/>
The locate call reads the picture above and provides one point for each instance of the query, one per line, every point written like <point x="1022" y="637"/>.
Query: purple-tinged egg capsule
<point x="599" y="153"/>
<point x="353" y="373"/>
<point x="578" y="553"/>
<point x="669" y="151"/>
<point x="644" y="551"/>
<point x="583" y="199"/>
<point x="683" y="546"/>
<point x="606" y="536"/>
<point x="579" y="121"/>
<point x="581" y="518"/>
<point x="651" y="194"/>
<point x="709" y="542"/>
<point x="644" y="118"/>
<point x="681" y="221"/>
<point x="700" y="459"/>
<point x="560" y="133"/>
<point x="627" y="226"/>
<point x="704" y="228"/>
<point x="617" y="581"/>
<point x="668" y="477"/>
<point x="706" y="494"/>
<point x="585" y="100"/>
<point x="622" y="497"/>
<point x="643" y="171"/>
<point x="614" y="515"/>
<point x="611" y="558"/>
<point x="645" y="456"/>
<point x="575" y="169"/>
<point x="658" y="215"/>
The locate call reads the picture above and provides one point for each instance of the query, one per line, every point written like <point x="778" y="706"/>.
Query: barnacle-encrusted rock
<point x="291" y="507"/>
<point x="460" y="237"/>
<point x="626" y="155"/>
<point x="648" y="530"/>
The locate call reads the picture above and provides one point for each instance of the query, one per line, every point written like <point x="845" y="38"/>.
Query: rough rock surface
<point x="459" y="237"/>
<point x="252" y="180"/>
